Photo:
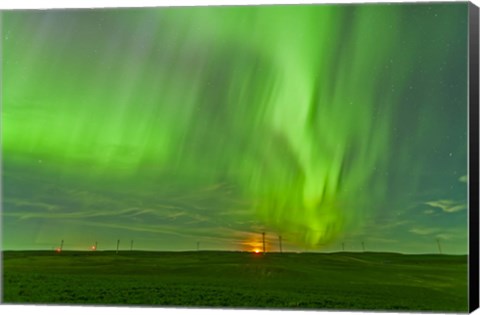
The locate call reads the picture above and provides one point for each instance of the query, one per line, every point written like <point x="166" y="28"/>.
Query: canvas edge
<point x="473" y="164"/>
<point x="1" y="158"/>
<point x="474" y="223"/>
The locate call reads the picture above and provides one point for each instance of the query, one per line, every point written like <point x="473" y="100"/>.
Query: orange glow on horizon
<point x="252" y="245"/>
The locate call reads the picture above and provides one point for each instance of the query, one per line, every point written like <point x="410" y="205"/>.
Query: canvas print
<point x="280" y="156"/>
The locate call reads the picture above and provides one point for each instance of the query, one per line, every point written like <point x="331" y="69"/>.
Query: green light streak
<point x="295" y="107"/>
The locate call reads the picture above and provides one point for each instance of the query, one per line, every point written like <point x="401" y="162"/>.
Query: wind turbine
<point x="59" y="249"/>
<point x="439" y="246"/>
<point x="263" y="240"/>
<point x="280" y="242"/>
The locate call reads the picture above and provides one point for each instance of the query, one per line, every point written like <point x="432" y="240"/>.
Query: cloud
<point x="429" y="211"/>
<point x="463" y="179"/>
<point x="445" y="236"/>
<point x="80" y="214"/>
<point x="423" y="230"/>
<point x="20" y="203"/>
<point x="446" y="205"/>
<point x="382" y="240"/>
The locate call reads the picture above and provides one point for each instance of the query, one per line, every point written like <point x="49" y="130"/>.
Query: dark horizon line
<point x="228" y="251"/>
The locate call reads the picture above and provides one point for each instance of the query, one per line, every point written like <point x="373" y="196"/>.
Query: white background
<point x="81" y="310"/>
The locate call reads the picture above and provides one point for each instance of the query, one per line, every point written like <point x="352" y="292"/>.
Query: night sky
<point x="326" y="124"/>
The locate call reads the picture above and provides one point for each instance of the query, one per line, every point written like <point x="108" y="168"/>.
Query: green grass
<point x="368" y="281"/>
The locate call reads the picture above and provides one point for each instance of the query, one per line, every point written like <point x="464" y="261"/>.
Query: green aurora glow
<point x="322" y="123"/>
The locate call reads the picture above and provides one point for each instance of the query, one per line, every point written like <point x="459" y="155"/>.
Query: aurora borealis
<point x="171" y="126"/>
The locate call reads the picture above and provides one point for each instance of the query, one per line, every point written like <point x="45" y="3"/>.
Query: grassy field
<point x="368" y="281"/>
